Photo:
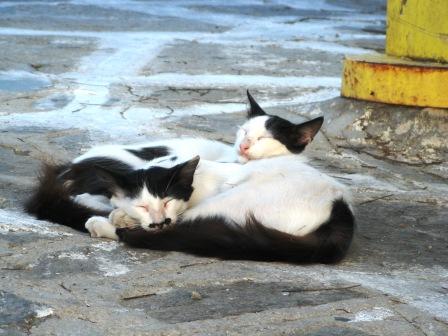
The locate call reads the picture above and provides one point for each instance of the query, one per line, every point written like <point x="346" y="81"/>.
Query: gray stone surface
<point x="211" y="302"/>
<point x="47" y="54"/>
<point x="74" y="74"/>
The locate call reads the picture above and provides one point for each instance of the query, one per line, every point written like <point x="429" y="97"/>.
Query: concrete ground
<point x="83" y="72"/>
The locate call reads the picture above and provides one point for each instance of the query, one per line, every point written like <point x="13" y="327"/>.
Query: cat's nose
<point x="167" y="221"/>
<point x="157" y="217"/>
<point x="244" y="147"/>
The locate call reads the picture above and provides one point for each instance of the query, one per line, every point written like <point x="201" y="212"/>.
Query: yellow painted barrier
<point x="418" y="29"/>
<point x="392" y="80"/>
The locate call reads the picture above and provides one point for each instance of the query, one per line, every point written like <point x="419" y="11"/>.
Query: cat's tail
<point x="51" y="200"/>
<point x="217" y="237"/>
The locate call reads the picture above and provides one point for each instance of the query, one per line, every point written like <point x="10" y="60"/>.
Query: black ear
<point x="184" y="172"/>
<point x="254" y="110"/>
<point x="306" y="131"/>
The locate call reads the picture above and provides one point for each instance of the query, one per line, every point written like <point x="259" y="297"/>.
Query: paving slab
<point x="78" y="73"/>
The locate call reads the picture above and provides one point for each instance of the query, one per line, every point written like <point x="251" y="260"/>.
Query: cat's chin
<point x="242" y="159"/>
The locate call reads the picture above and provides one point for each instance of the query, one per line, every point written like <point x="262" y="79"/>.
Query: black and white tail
<point x="51" y="201"/>
<point x="217" y="237"/>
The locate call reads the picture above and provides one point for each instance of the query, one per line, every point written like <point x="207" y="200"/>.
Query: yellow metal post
<point x="418" y="30"/>
<point x="386" y="79"/>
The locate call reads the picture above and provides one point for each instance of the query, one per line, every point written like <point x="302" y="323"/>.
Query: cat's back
<point x="114" y="152"/>
<point x="292" y="168"/>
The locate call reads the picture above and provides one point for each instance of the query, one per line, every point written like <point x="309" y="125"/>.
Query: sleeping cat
<point x="120" y="176"/>
<point x="277" y="209"/>
<point x="265" y="135"/>
<point x="71" y="194"/>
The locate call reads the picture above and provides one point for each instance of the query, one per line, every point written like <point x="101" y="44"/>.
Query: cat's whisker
<point x="181" y="213"/>
<point x="169" y="182"/>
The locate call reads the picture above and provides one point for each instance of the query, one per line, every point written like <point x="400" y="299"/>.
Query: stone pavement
<point x="83" y="72"/>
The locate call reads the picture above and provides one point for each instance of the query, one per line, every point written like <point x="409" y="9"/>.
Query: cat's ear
<point x="184" y="172"/>
<point x="305" y="132"/>
<point x="254" y="110"/>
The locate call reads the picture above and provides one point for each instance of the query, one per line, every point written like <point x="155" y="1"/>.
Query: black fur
<point x="99" y="176"/>
<point x="254" y="110"/>
<point x="150" y="153"/>
<point x="294" y="137"/>
<point x="105" y="176"/>
<point x="217" y="237"/>
<point x="51" y="201"/>
<point x="175" y="182"/>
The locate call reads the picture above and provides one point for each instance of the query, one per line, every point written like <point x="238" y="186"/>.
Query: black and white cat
<point x="141" y="179"/>
<point x="264" y="135"/>
<point x="154" y="192"/>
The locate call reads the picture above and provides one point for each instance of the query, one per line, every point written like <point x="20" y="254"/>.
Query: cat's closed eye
<point x="143" y="207"/>
<point x="242" y="130"/>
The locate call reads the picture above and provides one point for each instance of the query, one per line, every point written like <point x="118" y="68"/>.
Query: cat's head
<point x="155" y="195"/>
<point x="264" y="135"/>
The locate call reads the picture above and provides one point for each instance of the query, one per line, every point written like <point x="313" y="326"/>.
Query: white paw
<point x="100" y="227"/>
<point x="120" y="219"/>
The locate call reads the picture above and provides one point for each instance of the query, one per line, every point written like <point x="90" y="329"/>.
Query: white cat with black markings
<point x="279" y="209"/>
<point x="155" y="192"/>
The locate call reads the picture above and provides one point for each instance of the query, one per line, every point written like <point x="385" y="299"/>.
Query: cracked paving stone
<point x="234" y="299"/>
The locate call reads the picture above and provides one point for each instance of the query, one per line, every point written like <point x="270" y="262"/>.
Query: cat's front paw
<point x="120" y="219"/>
<point x="100" y="227"/>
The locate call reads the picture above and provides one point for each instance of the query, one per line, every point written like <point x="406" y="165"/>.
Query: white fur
<point x="260" y="141"/>
<point x="212" y="177"/>
<point x="149" y="209"/>
<point x="283" y="193"/>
